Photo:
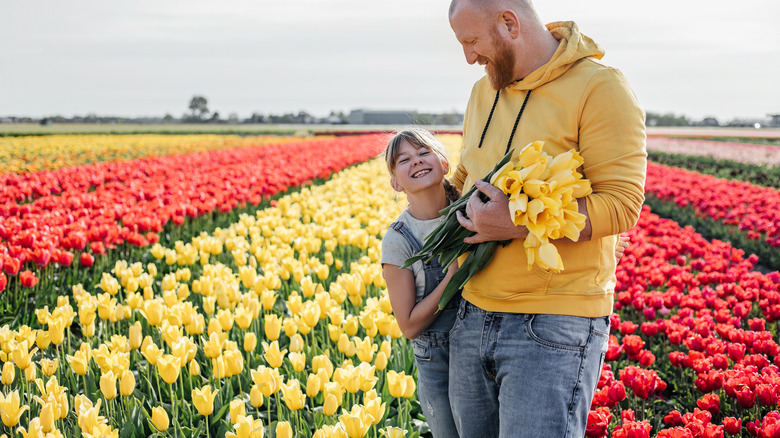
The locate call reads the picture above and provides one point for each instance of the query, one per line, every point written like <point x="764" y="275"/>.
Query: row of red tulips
<point x="749" y="207"/>
<point x="693" y="343"/>
<point x="46" y="216"/>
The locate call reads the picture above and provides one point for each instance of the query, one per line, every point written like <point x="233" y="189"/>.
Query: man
<point x="528" y="345"/>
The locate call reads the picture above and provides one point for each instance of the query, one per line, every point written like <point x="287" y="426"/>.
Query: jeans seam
<point x="578" y="383"/>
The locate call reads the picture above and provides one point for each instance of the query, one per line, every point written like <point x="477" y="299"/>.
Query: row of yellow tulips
<point x="49" y="152"/>
<point x="302" y="277"/>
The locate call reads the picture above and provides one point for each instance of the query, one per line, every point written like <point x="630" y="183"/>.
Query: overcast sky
<point x="137" y="58"/>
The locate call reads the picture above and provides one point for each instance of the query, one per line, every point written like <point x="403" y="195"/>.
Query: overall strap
<point x="404" y="230"/>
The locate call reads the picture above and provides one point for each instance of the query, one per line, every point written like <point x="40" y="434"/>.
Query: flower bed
<point x="49" y="217"/>
<point x="750" y="208"/>
<point x="761" y="155"/>
<point x="693" y="350"/>
<point x="49" y="152"/>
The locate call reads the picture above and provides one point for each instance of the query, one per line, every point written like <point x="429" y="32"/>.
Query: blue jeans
<point x="432" y="355"/>
<point x="524" y="375"/>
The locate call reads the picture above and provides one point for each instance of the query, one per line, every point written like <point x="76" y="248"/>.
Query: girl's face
<point x="417" y="168"/>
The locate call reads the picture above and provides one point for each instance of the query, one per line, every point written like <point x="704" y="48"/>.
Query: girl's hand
<point x="453" y="267"/>
<point x="622" y="244"/>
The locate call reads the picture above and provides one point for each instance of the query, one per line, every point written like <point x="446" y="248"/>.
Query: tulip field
<point x="227" y="286"/>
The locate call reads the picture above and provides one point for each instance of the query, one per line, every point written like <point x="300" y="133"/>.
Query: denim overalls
<point x="432" y="350"/>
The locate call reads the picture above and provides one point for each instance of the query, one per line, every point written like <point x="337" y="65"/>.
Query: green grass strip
<point x="765" y="176"/>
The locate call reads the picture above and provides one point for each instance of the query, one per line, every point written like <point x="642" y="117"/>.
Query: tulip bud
<point x="127" y="384"/>
<point x="237" y="407"/>
<point x="194" y="368"/>
<point x="250" y="341"/>
<point x="283" y="430"/>
<point x="9" y="373"/>
<point x="160" y="418"/>
<point x="108" y="385"/>
<point x="255" y="396"/>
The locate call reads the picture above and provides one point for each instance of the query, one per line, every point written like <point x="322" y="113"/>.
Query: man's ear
<point x="394" y="184"/>
<point x="511" y="23"/>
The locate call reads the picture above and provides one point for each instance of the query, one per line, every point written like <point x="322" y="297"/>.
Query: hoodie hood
<point x="572" y="47"/>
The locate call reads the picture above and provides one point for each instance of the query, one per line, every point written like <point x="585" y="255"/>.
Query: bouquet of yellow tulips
<point x="542" y="191"/>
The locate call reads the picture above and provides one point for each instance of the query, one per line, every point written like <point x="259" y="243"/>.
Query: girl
<point x="417" y="164"/>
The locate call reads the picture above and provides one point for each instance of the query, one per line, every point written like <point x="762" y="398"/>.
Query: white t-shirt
<point x="396" y="249"/>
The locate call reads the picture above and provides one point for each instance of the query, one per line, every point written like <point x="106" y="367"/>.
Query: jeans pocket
<point x="561" y="332"/>
<point x="422" y="350"/>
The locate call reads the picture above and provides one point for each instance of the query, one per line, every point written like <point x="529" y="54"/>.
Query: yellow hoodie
<point x="576" y="102"/>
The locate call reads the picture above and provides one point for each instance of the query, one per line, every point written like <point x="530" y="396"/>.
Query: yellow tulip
<point x="234" y="362"/>
<point x="250" y="341"/>
<point x="283" y="430"/>
<point x="127" y="383"/>
<point x="376" y="409"/>
<point x="237" y="408"/>
<point x="108" y="385"/>
<point x="135" y="335"/>
<point x="57" y="330"/>
<point x="365" y="349"/>
<point x="292" y="395"/>
<point x="298" y="361"/>
<point x="10" y="409"/>
<point x="30" y="373"/>
<point x="9" y="373"/>
<point x="160" y="418"/>
<point x="225" y="318"/>
<point x="21" y="355"/>
<point x="247" y="427"/>
<point x="355" y="425"/>
<point x="194" y="368"/>
<point x="272" y="326"/>
<point x="346" y="346"/>
<point x="243" y="317"/>
<point x="296" y="343"/>
<point x="290" y="326"/>
<point x="153" y="311"/>
<point x="322" y="362"/>
<point x="311" y="313"/>
<point x="411" y="386"/>
<point x="393" y="432"/>
<point x="218" y="367"/>
<point x="255" y="396"/>
<point x="213" y="347"/>
<point x="264" y="378"/>
<point x="47" y="417"/>
<point x="331" y="405"/>
<point x="203" y="399"/>
<point x="351" y="325"/>
<point x="268" y="299"/>
<point x="273" y="355"/>
<point x="169" y="366"/>
<point x="397" y="383"/>
<point x="313" y="384"/>
<point x="381" y="361"/>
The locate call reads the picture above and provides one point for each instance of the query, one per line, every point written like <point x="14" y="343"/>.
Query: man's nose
<point x="471" y="55"/>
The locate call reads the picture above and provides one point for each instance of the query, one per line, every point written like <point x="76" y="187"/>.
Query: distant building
<point x="369" y="117"/>
<point x="774" y="120"/>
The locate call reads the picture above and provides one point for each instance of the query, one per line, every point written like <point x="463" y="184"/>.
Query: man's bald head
<point x="493" y="7"/>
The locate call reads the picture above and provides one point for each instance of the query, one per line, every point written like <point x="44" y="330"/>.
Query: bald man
<point x="528" y="345"/>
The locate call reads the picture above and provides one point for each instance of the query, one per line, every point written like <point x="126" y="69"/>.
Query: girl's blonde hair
<point x="419" y="138"/>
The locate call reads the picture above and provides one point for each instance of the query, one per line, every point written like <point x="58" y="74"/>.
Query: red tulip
<point x="3" y="281"/>
<point x="709" y="402"/>
<point x="28" y="279"/>
<point x="598" y="422"/>
<point x="732" y="425"/>
<point x="86" y="259"/>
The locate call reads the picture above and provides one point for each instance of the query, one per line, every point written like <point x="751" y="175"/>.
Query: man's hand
<point x="490" y="220"/>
